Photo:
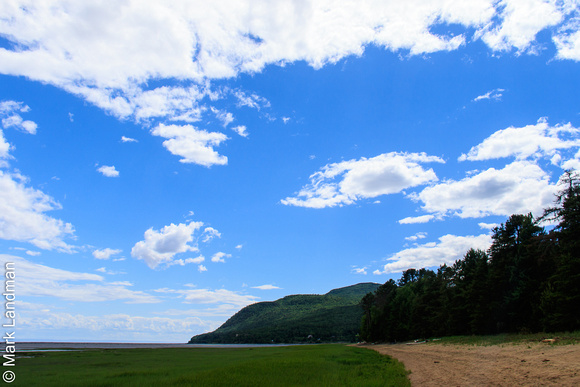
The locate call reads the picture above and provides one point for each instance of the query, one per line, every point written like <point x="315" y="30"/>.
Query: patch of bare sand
<point x="528" y="364"/>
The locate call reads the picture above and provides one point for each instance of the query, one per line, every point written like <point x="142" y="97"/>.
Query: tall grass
<point x="314" y="365"/>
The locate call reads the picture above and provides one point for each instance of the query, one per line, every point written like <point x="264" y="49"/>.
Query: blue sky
<point x="163" y="166"/>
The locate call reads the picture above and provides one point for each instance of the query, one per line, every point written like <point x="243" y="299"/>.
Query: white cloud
<point x="239" y="247"/>
<point x="225" y="117"/>
<point x="193" y="145"/>
<point x="107" y="55"/>
<point x="187" y="261"/>
<point x="520" y="187"/>
<point x="241" y="130"/>
<point x="206" y="296"/>
<point x="9" y="113"/>
<point x="252" y="100"/>
<point x="114" y="327"/>
<point x="128" y="139"/>
<point x="567" y="41"/>
<point x="224" y="310"/>
<point x="108" y="171"/>
<point x="201" y="268"/>
<point x="4" y="150"/>
<point x="359" y="270"/>
<point x="385" y="174"/>
<point x="539" y="140"/>
<point x="417" y="219"/>
<point x="449" y="249"/>
<point x="487" y="226"/>
<point x="419" y="235"/>
<point x="106" y="253"/>
<point x="23" y="218"/>
<point x="161" y="246"/>
<point x="494" y="94"/>
<point x="266" y="287"/>
<point x="40" y="280"/>
<point x="521" y="20"/>
<point x="220" y="257"/>
<point x="210" y="233"/>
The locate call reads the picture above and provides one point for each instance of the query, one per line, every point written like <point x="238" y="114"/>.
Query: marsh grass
<point x="562" y="338"/>
<point x="312" y="365"/>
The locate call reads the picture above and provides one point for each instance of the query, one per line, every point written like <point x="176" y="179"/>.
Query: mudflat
<point x="524" y="364"/>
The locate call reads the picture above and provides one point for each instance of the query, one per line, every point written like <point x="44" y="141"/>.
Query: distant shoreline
<point x="45" y="346"/>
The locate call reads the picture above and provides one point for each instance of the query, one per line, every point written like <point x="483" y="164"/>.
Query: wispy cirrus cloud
<point x="23" y="215"/>
<point x="40" y="280"/>
<point x="207" y="296"/>
<point x="494" y="94"/>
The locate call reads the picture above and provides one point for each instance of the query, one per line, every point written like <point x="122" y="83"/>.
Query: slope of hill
<point x="334" y="316"/>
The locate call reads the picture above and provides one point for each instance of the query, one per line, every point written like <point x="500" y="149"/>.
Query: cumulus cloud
<point x="539" y="140"/>
<point x="520" y="187"/>
<point x="160" y="247"/>
<point x="40" y="280"/>
<point x="106" y="253"/>
<point x="23" y="215"/>
<point x="568" y="41"/>
<point x="108" y="170"/>
<point x="346" y="182"/>
<point x="193" y="145"/>
<point x="10" y="118"/>
<point x="447" y="250"/>
<point x="520" y="22"/>
<point x="10" y="115"/>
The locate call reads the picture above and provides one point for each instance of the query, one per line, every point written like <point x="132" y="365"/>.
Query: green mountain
<point x="334" y="316"/>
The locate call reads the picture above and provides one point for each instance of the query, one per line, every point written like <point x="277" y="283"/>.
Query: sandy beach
<point x="524" y="364"/>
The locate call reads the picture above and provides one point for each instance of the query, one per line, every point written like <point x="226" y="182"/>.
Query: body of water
<point x="49" y="346"/>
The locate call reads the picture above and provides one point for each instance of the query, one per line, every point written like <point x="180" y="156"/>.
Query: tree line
<point x="528" y="281"/>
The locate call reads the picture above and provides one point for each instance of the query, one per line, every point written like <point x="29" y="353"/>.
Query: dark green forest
<point x="302" y="318"/>
<point x="528" y="281"/>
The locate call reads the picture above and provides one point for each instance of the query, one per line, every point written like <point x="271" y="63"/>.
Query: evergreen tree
<point x="561" y="297"/>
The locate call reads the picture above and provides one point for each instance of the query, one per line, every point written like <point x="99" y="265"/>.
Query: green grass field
<point x="561" y="338"/>
<point x="312" y="365"/>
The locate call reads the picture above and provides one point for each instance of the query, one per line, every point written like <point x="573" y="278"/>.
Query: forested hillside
<point x="334" y="316"/>
<point x="529" y="280"/>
